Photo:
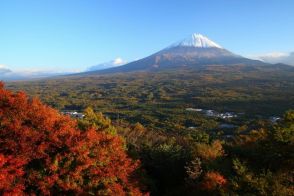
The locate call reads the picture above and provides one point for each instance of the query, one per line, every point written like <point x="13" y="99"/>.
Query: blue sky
<point x="69" y="35"/>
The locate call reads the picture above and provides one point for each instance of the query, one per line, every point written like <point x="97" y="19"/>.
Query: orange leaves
<point x="11" y="172"/>
<point x="59" y="158"/>
<point x="202" y="171"/>
<point x="213" y="180"/>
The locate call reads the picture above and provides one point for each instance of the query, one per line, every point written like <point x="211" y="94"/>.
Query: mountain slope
<point x="193" y="51"/>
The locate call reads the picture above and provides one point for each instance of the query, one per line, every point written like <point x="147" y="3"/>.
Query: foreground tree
<point x="44" y="152"/>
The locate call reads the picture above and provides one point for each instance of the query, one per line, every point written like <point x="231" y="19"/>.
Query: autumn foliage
<point x="210" y="152"/>
<point x="44" y="152"/>
<point x="213" y="180"/>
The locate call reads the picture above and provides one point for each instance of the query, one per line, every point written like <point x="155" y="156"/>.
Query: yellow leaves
<point x="96" y="121"/>
<point x="209" y="151"/>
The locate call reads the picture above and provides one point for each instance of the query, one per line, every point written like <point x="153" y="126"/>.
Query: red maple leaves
<point x="44" y="152"/>
<point x="213" y="180"/>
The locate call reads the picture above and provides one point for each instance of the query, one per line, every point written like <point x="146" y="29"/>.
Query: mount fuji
<point x="197" y="41"/>
<point x="194" y="51"/>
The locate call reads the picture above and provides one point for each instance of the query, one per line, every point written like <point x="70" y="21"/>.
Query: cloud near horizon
<point x="4" y="69"/>
<point x="276" y="57"/>
<point x="7" y="74"/>
<point x="114" y="63"/>
<point x="119" y="61"/>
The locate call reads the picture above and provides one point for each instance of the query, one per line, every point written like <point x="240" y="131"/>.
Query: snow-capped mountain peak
<point x="198" y="41"/>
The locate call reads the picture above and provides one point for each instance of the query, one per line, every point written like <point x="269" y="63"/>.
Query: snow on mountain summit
<point x="198" y="41"/>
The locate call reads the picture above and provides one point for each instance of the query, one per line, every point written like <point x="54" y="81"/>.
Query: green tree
<point x="96" y="121"/>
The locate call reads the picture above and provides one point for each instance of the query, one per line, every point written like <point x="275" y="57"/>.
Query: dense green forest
<point x="187" y="152"/>
<point x="158" y="99"/>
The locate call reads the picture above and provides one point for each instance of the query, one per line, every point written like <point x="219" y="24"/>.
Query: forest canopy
<point x="179" y="152"/>
<point x="44" y="152"/>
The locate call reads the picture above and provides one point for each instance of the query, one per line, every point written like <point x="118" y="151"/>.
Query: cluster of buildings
<point x="194" y="110"/>
<point x="74" y="114"/>
<point x="274" y="119"/>
<point x="212" y="113"/>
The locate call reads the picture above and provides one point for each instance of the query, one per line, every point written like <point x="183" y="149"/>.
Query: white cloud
<point x="4" y="70"/>
<point x="276" y="54"/>
<point x="119" y="61"/>
<point x="114" y="63"/>
<point x="275" y="57"/>
<point x="7" y="74"/>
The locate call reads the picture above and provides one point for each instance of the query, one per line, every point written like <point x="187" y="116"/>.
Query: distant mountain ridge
<point x="195" y="50"/>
